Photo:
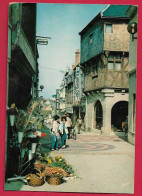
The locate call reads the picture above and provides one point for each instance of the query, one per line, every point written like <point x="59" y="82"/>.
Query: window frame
<point x="114" y="60"/>
<point x="106" y="27"/>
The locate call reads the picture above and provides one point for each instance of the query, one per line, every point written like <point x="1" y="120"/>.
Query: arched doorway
<point x="119" y="113"/>
<point x="98" y="117"/>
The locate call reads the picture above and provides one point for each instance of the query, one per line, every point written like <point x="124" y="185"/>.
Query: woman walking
<point x="55" y="133"/>
<point x="63" y="131"/>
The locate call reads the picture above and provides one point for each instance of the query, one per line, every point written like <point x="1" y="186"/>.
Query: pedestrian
<point x="55" y="133"/>
<point x="63" y="131"/>
<point x="79" y="123"/>
<point x="125" y="126"/>
<point x="69" y="125"/>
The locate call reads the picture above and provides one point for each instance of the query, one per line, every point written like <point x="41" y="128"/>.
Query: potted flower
<point x="54" y="175"/>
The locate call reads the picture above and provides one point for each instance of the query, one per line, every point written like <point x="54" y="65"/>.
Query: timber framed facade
<point x="104" y="58"/>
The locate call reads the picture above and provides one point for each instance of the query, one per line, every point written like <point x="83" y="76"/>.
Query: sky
<point x="61" y="22"/>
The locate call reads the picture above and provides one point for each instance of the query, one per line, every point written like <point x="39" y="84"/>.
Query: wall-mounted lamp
<point x="41" y="88"/>
<point x="132" y="29"/>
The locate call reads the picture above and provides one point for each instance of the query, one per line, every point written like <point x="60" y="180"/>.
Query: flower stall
<point x="26" y="123"/>
<point x="53" y="170"/>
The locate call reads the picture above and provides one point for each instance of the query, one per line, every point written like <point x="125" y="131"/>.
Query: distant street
<point x="103" y="164"/>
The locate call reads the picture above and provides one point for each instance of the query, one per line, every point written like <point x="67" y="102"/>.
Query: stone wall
<point x="107" y="98"/>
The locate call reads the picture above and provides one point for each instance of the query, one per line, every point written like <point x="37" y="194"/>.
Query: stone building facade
<point x="104" y="58"/>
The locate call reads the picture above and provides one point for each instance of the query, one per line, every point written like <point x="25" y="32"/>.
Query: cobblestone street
<point x="103" y="164"/>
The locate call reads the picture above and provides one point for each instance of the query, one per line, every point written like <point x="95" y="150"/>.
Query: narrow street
<point x="103" y="164"/>
<point x="71" y="67"/>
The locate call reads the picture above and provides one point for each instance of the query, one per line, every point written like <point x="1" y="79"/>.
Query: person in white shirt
<point x="63" y="131"/>
<point x="69" y="125"/>
<point x="55" y="133"/>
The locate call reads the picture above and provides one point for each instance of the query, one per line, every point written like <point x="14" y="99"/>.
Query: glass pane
<point x="118" y="55"/>
<point x="110" y="65"/>
<point x="108" y="28"/>
<point x="117" y="66"/>
<point x="111" y="56"/>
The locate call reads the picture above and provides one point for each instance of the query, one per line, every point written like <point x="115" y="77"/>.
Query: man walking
<point x="79" y="123"/>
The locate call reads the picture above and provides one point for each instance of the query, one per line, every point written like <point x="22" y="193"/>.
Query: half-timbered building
<point x="104" y="58"/>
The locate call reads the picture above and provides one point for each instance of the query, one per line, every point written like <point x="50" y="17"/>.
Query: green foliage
<point x="57" y="161"/>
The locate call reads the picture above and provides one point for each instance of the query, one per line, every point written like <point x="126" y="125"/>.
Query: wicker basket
<point x="53" y="180"/>
<point x="35" y="179"/>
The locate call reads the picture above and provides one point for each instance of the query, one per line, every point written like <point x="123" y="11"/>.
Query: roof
<point x="111" y="11"/>
<point x="116" y="11"/>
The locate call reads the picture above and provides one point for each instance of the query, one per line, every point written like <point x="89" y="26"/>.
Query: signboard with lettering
<point x="77" y="84"/>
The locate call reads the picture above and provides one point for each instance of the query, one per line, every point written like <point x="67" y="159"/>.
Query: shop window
<point x="109" y="28"/>
<point x="90" y="39"/>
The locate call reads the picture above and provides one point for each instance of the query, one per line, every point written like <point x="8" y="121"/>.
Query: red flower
<point x="43" y="134"/>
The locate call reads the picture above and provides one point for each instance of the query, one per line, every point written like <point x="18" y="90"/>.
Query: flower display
<point x="39" y="165"/>
<point x="30" y="118"/>
<point x="58" y="162"/>
<point x="55" y="172"/>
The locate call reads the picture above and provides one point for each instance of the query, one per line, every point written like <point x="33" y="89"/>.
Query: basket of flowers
<point x="54" y="175"/>
<point x="35" y="179"/>
<point x="39" y="165"/>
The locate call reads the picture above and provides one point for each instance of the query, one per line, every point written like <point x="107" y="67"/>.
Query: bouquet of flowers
<point x="55" y="172"/>
<point x="58" y="161"/>
<point x="29" y="119"/>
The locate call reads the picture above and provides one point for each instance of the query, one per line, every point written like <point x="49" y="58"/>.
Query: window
<point x="110" y="65"/>
<point x="117" y="66"/>
<point x="90" y="40"/>
<point x="108" y="28"/>
<point x="114" y="61"/>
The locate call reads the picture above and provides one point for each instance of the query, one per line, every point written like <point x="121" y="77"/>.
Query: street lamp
<point x="132" y="29"/>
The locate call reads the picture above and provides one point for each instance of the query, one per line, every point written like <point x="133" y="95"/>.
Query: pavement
<point x="103" y="164"/>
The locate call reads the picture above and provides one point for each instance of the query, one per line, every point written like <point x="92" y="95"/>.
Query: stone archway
<point x="98" y="115"/>
<point x="119" y="113"/>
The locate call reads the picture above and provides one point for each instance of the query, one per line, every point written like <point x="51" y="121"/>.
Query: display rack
<point x="26" y="156"/>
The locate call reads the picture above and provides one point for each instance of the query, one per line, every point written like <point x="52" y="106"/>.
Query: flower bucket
<point x="34" y="147"/>
<point x="12" y="120"/>
<point x="30" y="155"/>
<point x="20" y="136"/>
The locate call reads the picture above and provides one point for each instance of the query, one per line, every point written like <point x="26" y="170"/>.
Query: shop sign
<point x="77" y="84"/>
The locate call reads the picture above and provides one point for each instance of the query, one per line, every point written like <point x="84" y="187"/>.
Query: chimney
<point x="73" y="66"/>
<point x="77" y="53"/>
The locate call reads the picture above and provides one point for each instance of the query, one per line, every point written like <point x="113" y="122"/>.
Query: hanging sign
<point x="77" y="84"/>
